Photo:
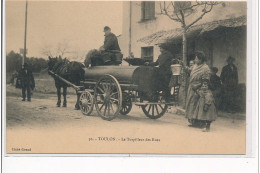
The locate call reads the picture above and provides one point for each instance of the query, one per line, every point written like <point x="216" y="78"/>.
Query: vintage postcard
<point x="125" y="77"/>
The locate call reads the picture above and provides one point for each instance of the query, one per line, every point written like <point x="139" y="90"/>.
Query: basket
<point x="176" y="69"/>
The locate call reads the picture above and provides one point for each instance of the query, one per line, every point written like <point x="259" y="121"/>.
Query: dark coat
<point x="111" y="42"/>
<point x="164" y="62"/>
<point x="215" y="82"/>
<point x="26" y="77"/>
<point x="216" y="87"/>
<point x="229" y="77"/>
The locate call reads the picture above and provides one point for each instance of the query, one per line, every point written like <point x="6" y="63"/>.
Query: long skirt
<point x="200" y="114"/>
<point x="191" y="103"/>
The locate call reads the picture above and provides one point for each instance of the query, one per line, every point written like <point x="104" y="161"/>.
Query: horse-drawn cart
<point x="114" y="89"/>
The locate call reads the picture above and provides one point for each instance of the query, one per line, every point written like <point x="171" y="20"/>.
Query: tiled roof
<point x="163" y="36"/>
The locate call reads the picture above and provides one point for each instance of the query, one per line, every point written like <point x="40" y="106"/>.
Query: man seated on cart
<point x="164" y="62"/>
<point x="110" y="51"/>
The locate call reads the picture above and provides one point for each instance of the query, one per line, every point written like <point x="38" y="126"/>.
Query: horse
<point x="71" y="71"/>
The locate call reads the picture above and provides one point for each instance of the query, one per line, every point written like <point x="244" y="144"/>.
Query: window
<point x="148" y="10"/>
<point x="147" y="53"/>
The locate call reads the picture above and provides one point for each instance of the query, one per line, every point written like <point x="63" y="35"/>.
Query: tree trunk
<point x="184" y="76"/>
<point x="184" y="47"/>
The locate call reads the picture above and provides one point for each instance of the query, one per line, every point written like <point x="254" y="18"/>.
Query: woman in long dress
<point x="199" y="71"/>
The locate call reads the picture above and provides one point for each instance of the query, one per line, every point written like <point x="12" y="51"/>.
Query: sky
<point x="78" y="26"/>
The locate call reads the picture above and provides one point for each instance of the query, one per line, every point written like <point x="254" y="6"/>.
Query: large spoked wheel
<point x="126" y="104"/>
<point x="108" y="97"/>
<point x="86" y="103"/>
<point x="154" y="111"/>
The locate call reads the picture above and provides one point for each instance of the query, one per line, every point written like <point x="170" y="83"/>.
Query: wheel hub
<point x="84" y="102"/>
<point x="107" y="96"/>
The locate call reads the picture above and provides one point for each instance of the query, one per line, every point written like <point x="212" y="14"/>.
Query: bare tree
<point x="61" y="49"/>
<point x="181" y="11"/>
<point x="46" y="50"/>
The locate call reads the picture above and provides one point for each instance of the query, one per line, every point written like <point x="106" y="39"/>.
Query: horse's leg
<point x="77" y="103"/>
<point x="59" y="95"/>
<point x="64" y="96"/>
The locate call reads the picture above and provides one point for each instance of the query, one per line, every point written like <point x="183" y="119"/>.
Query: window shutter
<point x="143" y="10"/>
<point x="149" y="10"/>
<point x="152" y="10"/>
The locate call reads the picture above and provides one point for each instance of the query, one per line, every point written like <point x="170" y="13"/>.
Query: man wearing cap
<point x="110" y="47"/>
<point x="27" y="81"/>
<point x="229" y="78"/>
<point x="164" y="62"/>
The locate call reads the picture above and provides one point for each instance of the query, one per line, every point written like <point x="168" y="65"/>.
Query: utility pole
<point x="130" y="29"/>
<point x="25" y="33"/>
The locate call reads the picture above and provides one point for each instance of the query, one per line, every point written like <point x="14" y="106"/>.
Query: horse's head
<point x="65" y="61"/>
<point x="52" y="62"/>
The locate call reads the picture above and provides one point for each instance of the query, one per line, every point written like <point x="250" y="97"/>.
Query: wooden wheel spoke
<point x="113" y="99"/>
<point x="149" y="108"/>
<point x="101" y="106"/>
<point x="104" y="87"/>
<point x="110" y="85"/>
<point x="108" y="106"/>
<point x="105" y="110"/>
<point x="113" y="94"/>
<point x="112" y="106"/>
<point x="156" y="109"/>
<point x="160" y="106"/>
<point x="100" y="89"/>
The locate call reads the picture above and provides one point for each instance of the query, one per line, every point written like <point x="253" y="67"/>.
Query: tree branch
<point x="165" y="12"/>
<point x="183" y="19"/>
<point x="178" y="17"/>
<point x="201" y="16"/>
<point x="195" y="5"/>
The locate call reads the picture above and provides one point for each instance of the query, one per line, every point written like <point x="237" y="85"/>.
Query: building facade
<point x="144" y="28"/>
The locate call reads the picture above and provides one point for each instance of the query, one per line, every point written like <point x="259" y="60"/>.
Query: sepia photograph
<point x="125" y="77"/>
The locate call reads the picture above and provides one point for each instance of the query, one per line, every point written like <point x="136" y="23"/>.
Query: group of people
<point x="224" y="87"/>
<point x="206" y="92"/>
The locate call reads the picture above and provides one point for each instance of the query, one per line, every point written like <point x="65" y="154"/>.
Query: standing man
<point x="110" y="50"/>
<point x="27" y="81"/>
<point x="164" y="61"/>
<point x="229" y="78"/>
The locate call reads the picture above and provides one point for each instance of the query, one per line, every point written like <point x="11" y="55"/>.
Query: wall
<point x="142" y="29"/>
<point x="224" y="43"/>
<point x="232" y="45"/>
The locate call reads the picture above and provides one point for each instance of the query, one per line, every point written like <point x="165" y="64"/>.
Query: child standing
<point x="206" y="110"/>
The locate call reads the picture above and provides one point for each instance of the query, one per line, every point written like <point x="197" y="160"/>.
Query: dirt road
<point x="40" y="127"/>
